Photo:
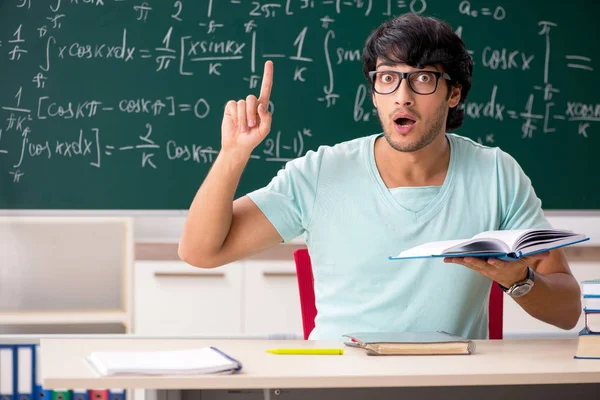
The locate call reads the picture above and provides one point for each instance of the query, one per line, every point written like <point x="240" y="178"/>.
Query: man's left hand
<point x="506" y="273"/>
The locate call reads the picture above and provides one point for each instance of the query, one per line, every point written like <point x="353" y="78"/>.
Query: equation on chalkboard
<point x="117" y="104"/>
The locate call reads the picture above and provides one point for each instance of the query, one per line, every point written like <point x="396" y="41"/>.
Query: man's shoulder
<point x="486" y="157"/>
<point x="471" y="151"/>
<point x="346" y="149"/>
<point x="470" y="145"/>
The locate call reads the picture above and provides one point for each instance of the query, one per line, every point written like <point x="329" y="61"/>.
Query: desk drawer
<point x="174" y="298"/>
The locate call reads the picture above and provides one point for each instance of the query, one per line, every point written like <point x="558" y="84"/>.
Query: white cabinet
<point x="272" y="304"/>
<point x="250" y="297"/>
<point x="65" y="274"/>
<point x="174" y="298"/>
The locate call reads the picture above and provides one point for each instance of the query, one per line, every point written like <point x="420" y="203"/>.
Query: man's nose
<point x="404" y="96"/>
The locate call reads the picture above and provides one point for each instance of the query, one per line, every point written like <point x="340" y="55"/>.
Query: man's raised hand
<point x="247" y="122"/>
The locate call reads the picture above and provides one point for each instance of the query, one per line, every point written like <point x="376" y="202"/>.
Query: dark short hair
<point x="418" y="41"/>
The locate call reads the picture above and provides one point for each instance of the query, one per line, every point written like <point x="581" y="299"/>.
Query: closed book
<point x="412" y="343"/>
<point x="590" y="288"/>
<point x="591" y="302"/>
<point x="592" y="321"/>
<point x="588" y="346"/>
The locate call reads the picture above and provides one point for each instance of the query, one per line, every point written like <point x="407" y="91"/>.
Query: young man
<point x="362" y="200"/>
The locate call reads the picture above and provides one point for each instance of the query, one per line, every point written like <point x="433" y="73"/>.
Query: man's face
<point x="410" y="120"/>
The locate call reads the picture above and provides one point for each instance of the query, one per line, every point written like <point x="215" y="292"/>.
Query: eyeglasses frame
<point x="406" y="75"/>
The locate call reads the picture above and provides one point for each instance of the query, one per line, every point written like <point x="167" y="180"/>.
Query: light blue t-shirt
<point x="352" y="222"/>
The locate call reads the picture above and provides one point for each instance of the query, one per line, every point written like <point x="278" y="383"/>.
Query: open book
<point x="412" y="343"/>
<point x="507" y="245"/>
<point x="206" y="360"/>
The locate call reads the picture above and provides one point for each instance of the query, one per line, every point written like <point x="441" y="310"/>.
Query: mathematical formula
<point x="194" y="45"/>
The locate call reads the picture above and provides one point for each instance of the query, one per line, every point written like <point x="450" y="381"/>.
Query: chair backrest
<point x="309" y="310"/>
<point x="306" y="289"/>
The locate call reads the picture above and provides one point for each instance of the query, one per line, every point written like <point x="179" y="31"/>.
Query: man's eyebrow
<point x="395" y="64"/>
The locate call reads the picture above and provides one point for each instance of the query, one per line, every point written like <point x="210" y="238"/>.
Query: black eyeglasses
<point x="420" y="82"/>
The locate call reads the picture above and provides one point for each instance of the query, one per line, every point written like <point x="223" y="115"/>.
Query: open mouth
<point x="404" y="122"/>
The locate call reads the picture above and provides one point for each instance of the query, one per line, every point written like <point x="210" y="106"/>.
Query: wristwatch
<point x="520" y="288"/>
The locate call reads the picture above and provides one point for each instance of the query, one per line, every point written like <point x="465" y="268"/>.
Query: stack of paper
<point x="206" y="360"/>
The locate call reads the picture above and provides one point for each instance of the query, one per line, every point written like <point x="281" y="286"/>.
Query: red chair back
<point x="306" y="289"/>
<point x="309" y="310"/>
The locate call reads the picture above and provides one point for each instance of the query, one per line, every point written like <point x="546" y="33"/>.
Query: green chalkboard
<point x="117" y="105"/>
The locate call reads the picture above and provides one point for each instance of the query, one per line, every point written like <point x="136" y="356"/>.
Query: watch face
<point x="521" y="290"/>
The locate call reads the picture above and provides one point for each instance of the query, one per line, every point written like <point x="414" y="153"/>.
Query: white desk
<point x="499" y="367"/>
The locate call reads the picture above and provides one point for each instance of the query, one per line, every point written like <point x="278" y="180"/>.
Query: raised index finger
<point x="267" y="84"/>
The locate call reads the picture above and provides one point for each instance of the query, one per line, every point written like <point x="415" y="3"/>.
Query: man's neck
<point x="425" y="167"/>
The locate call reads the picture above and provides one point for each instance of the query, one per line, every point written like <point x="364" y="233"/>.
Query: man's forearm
<point x="209" y="217"/>
<point x="555" y="299"/>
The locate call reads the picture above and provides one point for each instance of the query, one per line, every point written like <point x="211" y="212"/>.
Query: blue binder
<point x="39" y="392"/>
<point x="80" y="394"/>
<point x="25" y="372"/>
<point x="116" y="394"/>
<point x="8" y="377"/>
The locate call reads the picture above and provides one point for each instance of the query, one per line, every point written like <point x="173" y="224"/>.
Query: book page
<point x="510" y="237"/>
<point x="479" y="246"/>
<point x="550" y="244"/>
<point x="544" y="236"/>
<point x="431" y="248"/>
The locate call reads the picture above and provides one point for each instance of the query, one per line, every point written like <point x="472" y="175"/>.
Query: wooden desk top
<point x="504" y="362"/>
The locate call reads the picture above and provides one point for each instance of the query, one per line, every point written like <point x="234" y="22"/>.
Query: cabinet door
<point x="272" y="303"/>
<point x="174" y="298"/>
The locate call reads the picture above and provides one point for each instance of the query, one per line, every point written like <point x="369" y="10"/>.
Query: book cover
<point x="588" y="346"/>
<point x="206" y="360"/>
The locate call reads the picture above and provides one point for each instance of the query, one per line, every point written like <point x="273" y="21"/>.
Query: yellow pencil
<point x="307" y="351"/>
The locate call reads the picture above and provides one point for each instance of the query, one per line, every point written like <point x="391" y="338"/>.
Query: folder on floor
<point x="7" y="372"/>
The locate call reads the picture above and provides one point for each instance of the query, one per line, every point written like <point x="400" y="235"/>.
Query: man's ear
<point x="374" y="99"/>
<point x="454" y="97"/>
